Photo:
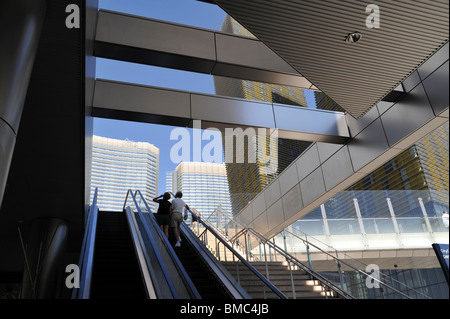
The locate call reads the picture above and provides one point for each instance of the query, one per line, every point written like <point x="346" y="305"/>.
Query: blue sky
<point x="189" y="12"/>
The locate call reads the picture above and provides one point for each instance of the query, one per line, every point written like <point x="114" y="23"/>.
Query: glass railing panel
<point x="353" y="275"/>
<point x="257" y="249"/>
<point x="437" y="225"/>
<point x="412" y="225"/>
<point x="378" y="226"/>
<point x="344" y="226"/>
<point x="312" y="227"/>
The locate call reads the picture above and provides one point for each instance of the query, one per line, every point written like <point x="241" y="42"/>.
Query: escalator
<point x="116" y="273"/>
<point x="125" y="255"/>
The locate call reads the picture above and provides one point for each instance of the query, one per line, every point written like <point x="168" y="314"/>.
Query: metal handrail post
<point x="246" y="246"/>
<point x="265" y="260"/>
<point x="294" y="296"/>
<point x="341" y="276"/>
<point x="308" y="253"/>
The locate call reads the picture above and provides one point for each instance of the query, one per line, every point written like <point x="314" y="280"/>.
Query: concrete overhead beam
<point x="118" y="100"/>
<point x="148" y="41"/>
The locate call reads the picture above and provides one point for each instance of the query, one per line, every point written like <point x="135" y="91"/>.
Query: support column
<point x="44" y="258"/>
<point x="20" y="28"/>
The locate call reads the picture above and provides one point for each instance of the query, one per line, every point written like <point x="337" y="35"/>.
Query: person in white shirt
<point x="178" y="206"/>
<point x="445" y="218"/>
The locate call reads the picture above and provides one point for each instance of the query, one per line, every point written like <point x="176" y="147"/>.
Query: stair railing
<point x="252" y="241"/>
<point x="341" y="263"/>
<point x="223" y="249"/>
<point x="247" y="232"/>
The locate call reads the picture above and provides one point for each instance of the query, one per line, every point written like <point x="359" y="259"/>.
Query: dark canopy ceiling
<point x="310" y="35"/>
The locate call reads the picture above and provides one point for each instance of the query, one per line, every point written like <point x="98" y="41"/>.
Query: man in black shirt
<point x="164" y="212"/>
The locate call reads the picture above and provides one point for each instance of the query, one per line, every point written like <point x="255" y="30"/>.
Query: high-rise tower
<point x="119" y="165"/>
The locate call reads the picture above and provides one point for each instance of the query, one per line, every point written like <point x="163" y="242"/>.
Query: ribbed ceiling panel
<point x="310" y="35"/>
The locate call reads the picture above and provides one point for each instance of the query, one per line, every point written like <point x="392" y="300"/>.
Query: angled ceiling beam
<point x="118" y="100"/>
<point x="142" y="40"/>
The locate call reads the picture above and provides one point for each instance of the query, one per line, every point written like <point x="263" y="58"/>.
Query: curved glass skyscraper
<point x="204" y="186"/>
<point x="121" y="165"/>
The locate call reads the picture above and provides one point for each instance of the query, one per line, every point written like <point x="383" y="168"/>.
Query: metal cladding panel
<point x="275" y="214"/>
<point x="313" y="186"/>
<point x="411" y="81"/>
<point x="292" y="202"/>
<point x="436" y="86"/>
<point x="326" y="150"/>
<point x="288" y="178"/>
<point x="142" y="40"/>
<point x="272" y="193"/>
<point x="407" y="115"/>
<point x="233" y="111"/>
<point x="141" y="99"/>
<point x="242" y="51"/>
<point x="356" y="126"/>
<point x="260" y="223"/>
<point x="310" y="36"/>
<point x="247" y="73"/>
<point x="134" y="102"/>
<point x="258" y="205"/>
<point x="368" y="144"/>
<point x="308" y="162"/>
<point x="434" y="62"/>
<point x="337" y="168"/>
<point x="321" y="122"/>
<point x="155" y="35"/>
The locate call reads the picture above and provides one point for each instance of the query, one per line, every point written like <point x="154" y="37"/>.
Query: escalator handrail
<point x="174" y="256"/>
<point x="241" y="259"/>
<point x="87" y="252"/>
<point x="184" y="275"/>
<point x="147" y="230"/>
<point x="141" y="255"/>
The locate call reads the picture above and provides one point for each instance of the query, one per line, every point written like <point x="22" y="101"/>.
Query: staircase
<point x="279" y="275"/>
<point x="116" y="273"/>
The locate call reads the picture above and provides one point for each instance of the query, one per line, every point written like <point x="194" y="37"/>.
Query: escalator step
<point x="116" y="273"/>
